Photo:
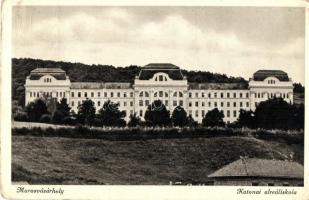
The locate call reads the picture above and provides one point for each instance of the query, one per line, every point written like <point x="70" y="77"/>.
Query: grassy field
<point x="58" y="160"/>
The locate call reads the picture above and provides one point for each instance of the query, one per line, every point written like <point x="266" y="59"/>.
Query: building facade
<point x="164" y="82"/>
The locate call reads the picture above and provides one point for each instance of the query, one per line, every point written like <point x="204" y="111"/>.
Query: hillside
<point x="51" y="160"/>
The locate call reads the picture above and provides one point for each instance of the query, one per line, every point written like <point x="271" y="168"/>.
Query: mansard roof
<point x="171" y="70"/>
<point x="253" y="167"/>
<point x="100" y="85"/>
<point x="217" y="86"/>
<point x="260" y="75"/>
<point x="37" y="73"/>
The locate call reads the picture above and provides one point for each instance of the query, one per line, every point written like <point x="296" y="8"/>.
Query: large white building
<point x="164" y="82"/>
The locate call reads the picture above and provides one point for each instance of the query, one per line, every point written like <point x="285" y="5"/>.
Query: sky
<point x="236" y="41"/>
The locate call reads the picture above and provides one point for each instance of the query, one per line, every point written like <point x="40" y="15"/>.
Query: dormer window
<point x="47" y="80"/>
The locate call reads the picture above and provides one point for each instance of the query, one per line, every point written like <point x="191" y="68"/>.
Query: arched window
<point x="160" y="78"/>
<point x="141" y="94"/>
<point x="155" y="94"/>
<point x="166" y="94"/>
<point x="160" y="93"/>
<point x="175" y="94"/>
<point x="180" y="94"/>
<point x="146" y="94"/>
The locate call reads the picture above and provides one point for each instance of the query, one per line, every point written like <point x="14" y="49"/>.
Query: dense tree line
<point x="96" y="73"/>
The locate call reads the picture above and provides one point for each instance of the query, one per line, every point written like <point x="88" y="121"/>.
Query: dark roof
<point x="101" y="85"/>
<point x="47" y="70"/>
<point x="218" y="86"/>
<point x="262" y="74"/>
<point x="37" y="73"/>
<point x="160" y="66"/>
<point x="253" y="167"/>
<point x="171" y="70"/>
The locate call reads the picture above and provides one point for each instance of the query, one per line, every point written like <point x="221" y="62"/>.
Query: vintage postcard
<point x="153" y="100"/>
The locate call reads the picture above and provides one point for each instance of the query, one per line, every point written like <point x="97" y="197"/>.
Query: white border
<point x="125" y="192"/>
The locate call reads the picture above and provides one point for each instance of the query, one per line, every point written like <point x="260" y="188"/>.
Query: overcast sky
<point x="236" y="41"/>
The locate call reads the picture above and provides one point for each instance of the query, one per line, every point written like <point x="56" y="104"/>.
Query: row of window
<point x="271" y="81"/>
<point x="47" y="80"/>
<point x="271" y="95"/>
<point x="222" y="104"/>
<point x="100" y="103"/>
<point x="220" y="94"/>
<point x="47" y="94"/>
<point x="105" y="94"/>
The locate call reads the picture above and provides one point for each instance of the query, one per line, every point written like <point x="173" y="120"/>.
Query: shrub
<point x="21" y="116"/>
<point x="69" y="121"/>
<point x="45" y="118"/>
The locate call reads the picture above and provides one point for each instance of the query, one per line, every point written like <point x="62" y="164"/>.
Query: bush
<point x="21" y="116"/>
<point x="69" y="121"/>
<point x="46" y="118"/>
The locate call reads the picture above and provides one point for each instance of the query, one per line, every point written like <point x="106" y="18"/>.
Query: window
<point x="196" y="113"/>
<point x="216" y="104"/>
<point x="30" y="94"/>
<point x="181" y="103"/>
<point x="222" y="104"/>
<point x="221" y="95"/>
<point x="78" y="103"/>
<point x="72" y="103"/>
<point x="209" y="95"/>
<point x="161" y="78"/>
<point x="240" y="95"/>
<point x="203" y="103"/>
<point x="234" y="113"/>
<point x="180" y="94"/>
<point x="227" y="104"/>
<point x="92" y="94"/>
<point x="215" y="95"/>
<point x="166" y="94"/>
<point x="99" y="94"/>
<point x="72" y="94"/>
<point x="228" y="113"/>
<point x="228" y="95"/>
<point x="105" y="94"/>
<point x="284" y="95"/>
<point x="125" y="103"/>
<point x="85" y="94"/>
<point x="247" y="95"/>
<point x="190" y="104"/>
<point x="196" y="104"/>
<point x="160" y="94"/>
<point x="131" y="94"/>
<point x="99" y="103"/>
<point x="140" y="102"/>
<point x="234" y="104"/>
<point x="131" y="103"/>
<point x="78" y="94"/>
<point x="259" y="96"/>
<point x="112" y="94"/>
<point x="196" y="95"/>
<point x="141" y="113"/>
<point x="118" y="94"/>
<point x="146" y="102"/>
<point x="209" y="104"/>
<point x="141" y="94"/>
<point x="247" y="104"/>
<point x="234" y="95"/>
<point x="124" y="94"/>
<point x="203" y="94"/>
<point x="190" y="94"/>
<point x="240" y="104"/>
<point x="175" y="94"/>
<point x="174" y="103"/>
<point x="166" y="102"/>
<point x="203" y="113"/>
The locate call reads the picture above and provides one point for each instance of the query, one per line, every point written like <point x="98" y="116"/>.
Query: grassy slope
<point x="94" y="161"/>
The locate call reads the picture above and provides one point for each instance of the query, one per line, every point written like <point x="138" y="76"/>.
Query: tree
<point x="213" y="118"/>
<point x="35" y="110"/>
<point x="246" y="118"/>
<point x="134" y="120"/>
<point x="86" y="112"/>
<point x="179" y="117"/>
<point x="276" y="113"/>
<point x="191" y="122"/>
<point x="157" y="114"/>
<point x="62" y="111"/>
<point x="110" y="115"/>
